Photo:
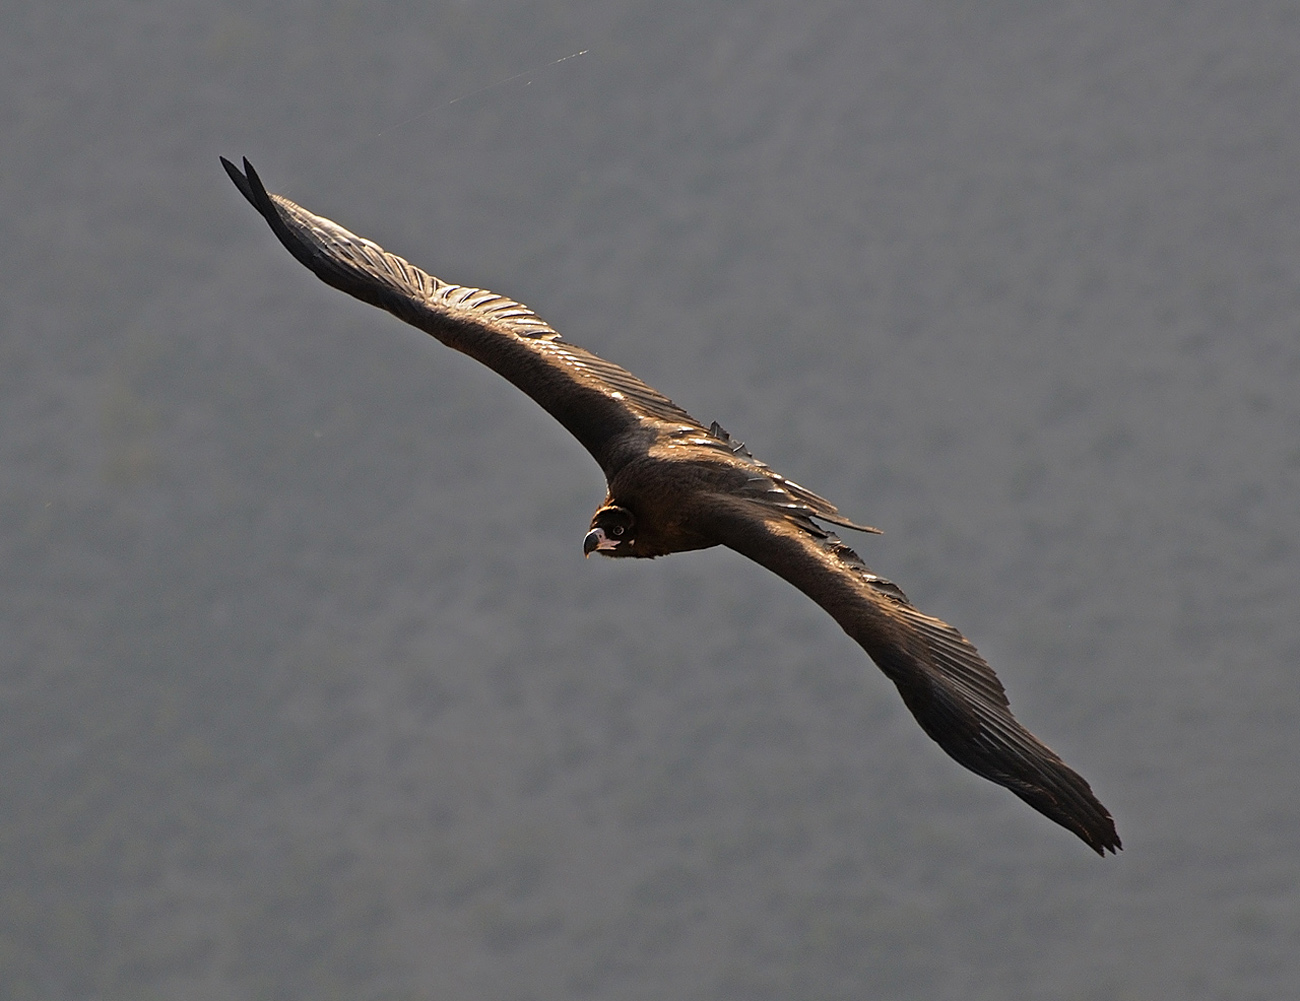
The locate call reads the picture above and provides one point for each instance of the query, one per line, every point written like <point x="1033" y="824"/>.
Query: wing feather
<point x="945" y="683"/>
<point x="601" y="404"/>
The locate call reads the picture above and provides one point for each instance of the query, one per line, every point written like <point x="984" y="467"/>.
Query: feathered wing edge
<point x="947" y="686"/>
<point x="595" y="400"/>
<point x="795" y="502"/>
<point x="363" y="269"/>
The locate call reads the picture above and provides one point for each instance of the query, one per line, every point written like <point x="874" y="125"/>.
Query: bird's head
<point x="612" y="532"/>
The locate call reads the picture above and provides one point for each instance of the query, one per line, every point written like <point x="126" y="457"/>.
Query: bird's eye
<point x="616" y="530"/>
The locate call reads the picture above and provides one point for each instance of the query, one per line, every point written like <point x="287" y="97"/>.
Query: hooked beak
<point x="597" y="539"/>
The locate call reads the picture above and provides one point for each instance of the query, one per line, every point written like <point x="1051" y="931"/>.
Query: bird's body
<point x="676" y="485"/>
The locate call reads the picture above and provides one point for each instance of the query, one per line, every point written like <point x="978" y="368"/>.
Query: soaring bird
<point x="676" y="484"/>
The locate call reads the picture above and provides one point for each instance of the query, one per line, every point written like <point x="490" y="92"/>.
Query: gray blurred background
<point x="306" y="689"/>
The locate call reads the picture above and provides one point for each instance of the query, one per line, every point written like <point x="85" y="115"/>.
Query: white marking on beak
<point x="597" y="540"/>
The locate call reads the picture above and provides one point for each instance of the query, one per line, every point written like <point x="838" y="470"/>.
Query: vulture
<point x="676" y="484"/>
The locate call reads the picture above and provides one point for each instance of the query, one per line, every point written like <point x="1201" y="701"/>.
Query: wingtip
<point x="250" y="186"/>
<point x="1100" y="835"/>
<point x="1084" y="815"/>
<point x="251" y="174"/>
<point x="241" y="181"/>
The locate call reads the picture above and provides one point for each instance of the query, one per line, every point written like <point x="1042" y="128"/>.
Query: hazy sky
<point x="307" y="689"/>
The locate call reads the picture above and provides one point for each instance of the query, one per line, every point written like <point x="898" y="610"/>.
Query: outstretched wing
<point x="946" y="684"/>
<point x="609" y="410"/>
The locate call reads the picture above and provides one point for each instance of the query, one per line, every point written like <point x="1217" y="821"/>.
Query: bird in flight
<point x="677" y="485"/>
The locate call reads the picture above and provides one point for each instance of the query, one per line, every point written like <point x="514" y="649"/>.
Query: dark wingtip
<point x="241" y="182"/>
<point x="1100" y="835"/>
<point x="250" y="186"/>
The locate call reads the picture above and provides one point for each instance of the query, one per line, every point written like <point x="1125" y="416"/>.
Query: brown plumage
<point x="676" y="485"/>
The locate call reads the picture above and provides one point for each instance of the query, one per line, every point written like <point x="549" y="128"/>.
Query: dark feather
<point x="946" y="684"/>
<point x="598" y="402"/>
